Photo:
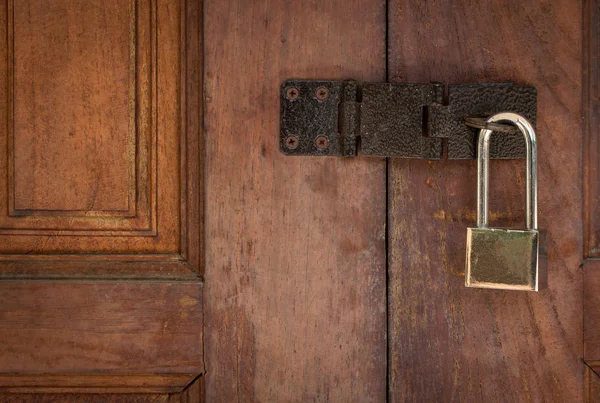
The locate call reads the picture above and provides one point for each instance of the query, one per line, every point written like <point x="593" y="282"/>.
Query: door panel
<point x="100" y="218"/>
<point x="452" y="343"/>
<point x="86" y="143"/>
<point x="66" y="333"/>
<point x="64" y="59"/>
<point x="295" y="273"/>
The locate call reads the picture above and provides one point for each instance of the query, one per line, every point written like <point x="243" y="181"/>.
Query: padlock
<point x="503" y="258"/>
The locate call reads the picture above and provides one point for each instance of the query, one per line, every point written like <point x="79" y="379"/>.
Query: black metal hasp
<point x="398" y="120"/>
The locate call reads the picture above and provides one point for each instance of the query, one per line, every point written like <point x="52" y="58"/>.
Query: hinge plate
<point x="397" y="120"/>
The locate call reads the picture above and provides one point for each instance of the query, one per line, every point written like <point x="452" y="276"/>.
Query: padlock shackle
<point x="483" y="168"/>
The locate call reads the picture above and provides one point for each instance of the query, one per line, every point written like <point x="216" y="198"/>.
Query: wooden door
<point x="448" y="343"/>
<point x="100" y="217"/>
<point x="294" y="301"/>
<point x="296" y="311"/>
<point x="155" y="245"/>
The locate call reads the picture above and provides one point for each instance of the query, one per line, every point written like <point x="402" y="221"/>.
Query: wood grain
<point x="53" y="334"/>
<point x="591" y="314"/>
<point x="591" y="105"/>
<point x="89" y="398"/>
<point x="86" y="162"/>
<point x="89" y="301"/>
<point x="591" y="125"/>
<point x="192" y="135"/>
<point x="143" y="149"/>
<point x="69" y="49"/>
<point x="295" y="271"/>
<point x="166" y="75"/>
<point x="592" y="386"/>
<point x="91" y="383"/>
<point x="106" y="326"/>
<point x="446" y="342"/>
<point x="192" y="393"/>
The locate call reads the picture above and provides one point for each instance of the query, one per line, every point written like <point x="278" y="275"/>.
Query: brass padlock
<point x="500" y="258"/>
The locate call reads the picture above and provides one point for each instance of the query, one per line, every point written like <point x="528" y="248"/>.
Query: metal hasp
<point x="501" y="258"/>
<point x="396" y="120"/>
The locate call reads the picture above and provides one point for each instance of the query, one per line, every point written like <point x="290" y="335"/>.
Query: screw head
<point x="292" y="93"/>
<point x="321" y="142"/>
<point x="291" y="142"/>
<point x="322" y="93"/>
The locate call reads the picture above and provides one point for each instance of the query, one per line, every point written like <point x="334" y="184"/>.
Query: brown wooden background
<point x="295" y="267"/>
<point x="101" y="200"/>
<point x="448" y="343"/>
<point x="298" y="303"/>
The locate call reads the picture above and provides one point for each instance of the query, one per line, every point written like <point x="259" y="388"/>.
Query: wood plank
<point x="192" y="136"/>
<point x="92" y="388"/>
<point x="95" y="383"/>
<point x="97" y="267"/>
<point x="89" y="398"/>
<point x="194" y="393"/>
<point x="190" y="395"/>
<point x="591" y="313"/>
<point x="295" y="270"/>
<point x="591" y="279"/>
<point x="592" y="390"/>
<point x="452" y="343"/>
<point x="141" y="330"/>
<point x="591" y="126"/>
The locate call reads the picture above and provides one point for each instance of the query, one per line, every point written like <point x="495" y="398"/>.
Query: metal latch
<point x="397" y="120"/>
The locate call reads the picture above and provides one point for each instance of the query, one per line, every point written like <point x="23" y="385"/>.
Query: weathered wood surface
<point x="192" y="394"/>
<point x="449" y="343"/>
<point x="591" y="318"/>
<point x="95" y="336"/>
<point x="102" y="135"/>
<point x="88" y="398"/>
<point x="592" y="386"/>
<point x="591" y="280"/>
<point x="100" y="218"/>
<point x="591" y="126"/>
<point x="295" y="271"/>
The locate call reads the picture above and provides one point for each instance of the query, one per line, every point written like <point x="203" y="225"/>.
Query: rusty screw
<point x="291" y="142"/>
<point x="292" y="93"/>
<point x="321" y="142"/>
<point x="322" y="93"/>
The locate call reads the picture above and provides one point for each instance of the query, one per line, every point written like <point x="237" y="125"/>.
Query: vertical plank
<point x="591" y="125"/>
<point x="295" y="270"/>
<point x="592" y="386"/>
<point x="194" y="393"/>
<point x="591" y="313"/>
<point x="591" y="276"/>
<point x="449" y="343"/>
